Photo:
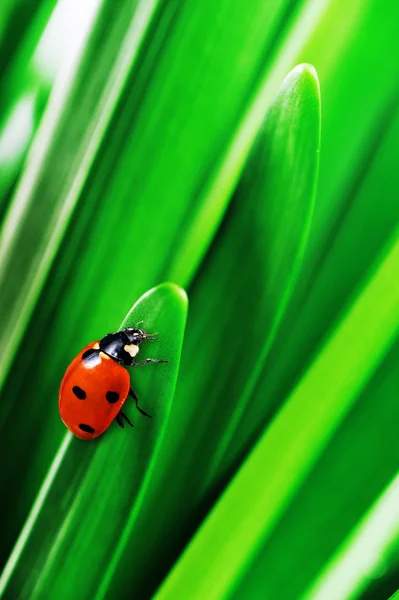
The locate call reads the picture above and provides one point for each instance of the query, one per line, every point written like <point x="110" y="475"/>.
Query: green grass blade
<point x="368" y="222"/>
<point x="215" y="560"/>
<point x="104" y="478"/>
<point x="276" y="194"/>
<point x="284" y="172"/>
<point x="361" y="457"/>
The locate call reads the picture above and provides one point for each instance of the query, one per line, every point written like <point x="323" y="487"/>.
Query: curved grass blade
<point x="361" y="457"/>
<point x="218" y="555"/>
<point x="79" y="515"/>
<point x="370" y="219"/>
<point x="284" y="172"/>
<point x="275" y="196"/>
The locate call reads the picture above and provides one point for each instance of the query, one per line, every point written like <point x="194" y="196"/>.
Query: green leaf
<point x="217" y="557"/>
<point x="94" y="489"/>
<point x="275" y="196"/>
<point x="283" y="171"/>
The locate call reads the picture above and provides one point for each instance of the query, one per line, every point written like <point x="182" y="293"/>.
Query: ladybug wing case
<point x="92" y="393"/>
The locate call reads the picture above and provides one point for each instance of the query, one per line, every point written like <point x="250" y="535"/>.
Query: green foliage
<point x="148" y="141"/>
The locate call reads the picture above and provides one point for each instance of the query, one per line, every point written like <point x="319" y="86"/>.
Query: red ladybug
<point x="96" y="384"/>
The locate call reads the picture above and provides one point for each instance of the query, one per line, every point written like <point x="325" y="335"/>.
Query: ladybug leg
<point x="119" y="419"/>
<point x="149" y="360"/>
<point x="136" y="399"/>
<point x="126" y="419"/>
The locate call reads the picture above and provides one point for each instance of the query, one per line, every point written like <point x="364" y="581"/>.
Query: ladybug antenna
<point x="149" y="336"/>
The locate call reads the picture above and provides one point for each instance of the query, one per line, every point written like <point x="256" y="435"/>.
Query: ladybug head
<point x="136" y="336"/>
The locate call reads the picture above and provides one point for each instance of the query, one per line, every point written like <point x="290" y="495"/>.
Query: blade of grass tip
<point x="214" y="197"/>
<point x="284" y="171"/>
<point x="363" y="554"/>
<point x="217" y="556"/>
<point x="109" y="473"/>
<point x="37" y="181"/>
<point x="306" y="323"/>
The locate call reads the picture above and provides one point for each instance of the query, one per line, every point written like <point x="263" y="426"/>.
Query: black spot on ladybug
<point x="112" y="397"/>
<point x="86" y="428"/>
<point x="88" y="353"/>
<point x="79" y="393"/>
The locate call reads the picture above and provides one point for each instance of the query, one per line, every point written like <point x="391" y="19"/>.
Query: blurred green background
<point x="246" y="151"/>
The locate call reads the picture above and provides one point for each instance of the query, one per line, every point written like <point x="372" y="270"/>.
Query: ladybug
<point x="96" y="383"/>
